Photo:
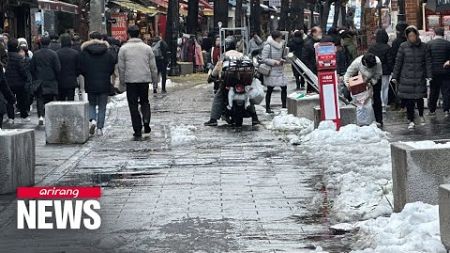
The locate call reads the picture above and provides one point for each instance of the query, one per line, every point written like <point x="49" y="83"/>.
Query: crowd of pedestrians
<point x="62" y="67"/>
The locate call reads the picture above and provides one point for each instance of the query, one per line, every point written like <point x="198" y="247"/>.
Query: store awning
<point x="50" y="5"/>
<point x="132" y="6"/>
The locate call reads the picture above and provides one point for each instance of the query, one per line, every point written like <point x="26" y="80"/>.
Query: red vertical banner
<point x="119" y="26"/>
<point x="162" y="25"/>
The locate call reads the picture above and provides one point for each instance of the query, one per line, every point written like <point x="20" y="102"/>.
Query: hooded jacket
<point x="68" y="57"/>
<point x="383" y="51"/>
<point x="439" y="50"/>
<point x="296" y="46"/>
<point x="412" y="67"/>
<point x="97" y="65"/>
<point x="16" y="70"/>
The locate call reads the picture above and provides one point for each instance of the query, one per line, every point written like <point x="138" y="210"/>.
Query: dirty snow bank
<point x="414" y="230"/>
<point x="427" y="144"/>
<point x="291" y="126"/>
<point x="357" y="168"/>
<point x="182" y="135"/>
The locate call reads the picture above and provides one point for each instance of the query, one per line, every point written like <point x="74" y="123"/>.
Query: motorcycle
<point x="243" y="88"/>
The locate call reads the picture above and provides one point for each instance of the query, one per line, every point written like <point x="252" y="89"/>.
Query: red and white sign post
<point x="327" y="78"/>
<point x="119" y="27"/>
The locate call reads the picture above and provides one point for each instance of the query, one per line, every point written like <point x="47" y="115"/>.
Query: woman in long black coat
<point x="412" y="71"/>
<point x="6" y="97"/>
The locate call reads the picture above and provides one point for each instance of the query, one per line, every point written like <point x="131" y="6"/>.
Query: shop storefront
<point x="16" y="17"/>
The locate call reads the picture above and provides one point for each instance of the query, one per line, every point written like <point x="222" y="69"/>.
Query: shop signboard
<point x="119" y="27"/>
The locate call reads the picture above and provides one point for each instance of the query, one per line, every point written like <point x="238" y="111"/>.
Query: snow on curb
<point x="357" y="168"/>
<point x="414" y="230"/>
<point x="182" y="135"/>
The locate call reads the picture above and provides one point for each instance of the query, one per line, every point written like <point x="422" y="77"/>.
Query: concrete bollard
<point x="67" y="122"/>
<point x="444" y="214"/>
<point x="17" y="159"/>
<point x="303" y="107"/>
<point x="348" y="115"/>
<point x="186" y="68"/>
<point x="417" y="172"/>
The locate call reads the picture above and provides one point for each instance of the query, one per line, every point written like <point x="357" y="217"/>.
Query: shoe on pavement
<point x="10" y="121"/>
<point x="211" y="122"/>
<point x="92" y="127"/>
<point x="137" y="136"/>
<point x="256" y="122"/>
<point x="99" y="132"/>
<point x="384" y="109"/>
<point x="147" y="128"/>
<point x="268" y="110"/>
<point x="41" y="121"/>
<point x="431" y="114"/>
<point x="26" y="120"/>
<point x="447" y="114"/>
<point x="155" y="91"/>
<point x="164" y="91"/>
<point x="422" y="121"/>
<point x="411" y="125"/>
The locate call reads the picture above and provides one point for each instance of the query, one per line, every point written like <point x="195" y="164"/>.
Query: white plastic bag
<point x="256" y="92"/>
<point x="365" y="114"/>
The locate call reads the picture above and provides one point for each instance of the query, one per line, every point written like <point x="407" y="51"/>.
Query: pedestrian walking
<point x="137" y="68"/>
<point x="17" y="76"/>
<point x="309" y="52"/>
<point x="348" y="43"/>
<point x="3" y="53"/>
<point x="254" y="45"/>
<point x="215" y="56"/>
<point x="97" y="65"/>
<point x="7" y="98"/>
<point x="370" y="68"/>
<point x="54" y="43"/>
<point x="23" y="45"/>
<point x="439" y="50"/>
<point x="76" y="42"/>
<point x="160" y="49"/>
<point x="400" y="38"/>
<point x="412" y="71"/>
<point x="273" y="55"/>
<point x="383" y="51"/>
<point x="67" y="78"/>
<point x="296" y="47"/>
<point x="45" y="67"/>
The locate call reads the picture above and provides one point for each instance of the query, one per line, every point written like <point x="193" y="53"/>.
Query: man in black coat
<point x="296" y="47"/>
<point x="17" y="75"/>
<point x="309" y="52"/>
<point x="6" y="97"/>
<point x="45" y="67"/>
<point x="97" y="65"/>
<point x="439" y="49"/>
<point x="67" y="78"/>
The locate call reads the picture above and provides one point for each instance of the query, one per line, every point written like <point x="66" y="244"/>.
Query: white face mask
<point x="319" y="37"/>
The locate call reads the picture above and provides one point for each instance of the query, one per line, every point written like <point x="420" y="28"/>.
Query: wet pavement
<point x="219" y="190"/>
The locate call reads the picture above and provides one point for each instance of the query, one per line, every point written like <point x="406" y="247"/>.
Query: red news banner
<point x="58" y="207"/>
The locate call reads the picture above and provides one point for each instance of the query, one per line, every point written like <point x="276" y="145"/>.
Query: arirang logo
<point x="58" y="207"/>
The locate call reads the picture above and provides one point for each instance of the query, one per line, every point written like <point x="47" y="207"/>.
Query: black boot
<point x="283" y="96"/>
<point x="268" y="98"/>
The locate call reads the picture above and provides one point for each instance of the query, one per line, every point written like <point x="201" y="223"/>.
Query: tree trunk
<point x="255" y="17"/>
<point x="238" y="14"/>
<point x="344" y="15"/>
<point x="325" y="13"/>
<point x="221" y="12"/>
<point x="284" y="18"/>
<point x="173" y="23"/>
<point x="337" y="10"/>
<point x="192" y="18"/>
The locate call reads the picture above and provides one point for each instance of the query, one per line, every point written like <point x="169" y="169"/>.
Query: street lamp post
<point x="173" y="22"/>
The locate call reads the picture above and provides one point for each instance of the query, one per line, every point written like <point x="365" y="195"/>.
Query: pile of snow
<point x="357" y="166"/>
<point x="427" y="144"/>
<point x="288" y="122"/>
<point x="118" y="101"/>
<point x="182" y="135"/>
<point x="415" y="229"/>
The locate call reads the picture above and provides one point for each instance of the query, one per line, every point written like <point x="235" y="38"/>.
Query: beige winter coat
<point x="137" y="63"/>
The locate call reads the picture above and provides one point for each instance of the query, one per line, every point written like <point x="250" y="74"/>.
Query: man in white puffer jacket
<point x="137" y="68"/>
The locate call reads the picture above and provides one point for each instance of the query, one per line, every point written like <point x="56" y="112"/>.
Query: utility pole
<point x="97" y="22"/>
<point x="238" y="14"/>
<point x="192" y="18"/>
<point x="173" y="23"/>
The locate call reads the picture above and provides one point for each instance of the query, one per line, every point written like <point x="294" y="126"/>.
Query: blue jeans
<point x="100" y="100"/>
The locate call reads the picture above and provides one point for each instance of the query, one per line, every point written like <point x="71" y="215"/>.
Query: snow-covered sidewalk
<point x="358" y="175"/>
